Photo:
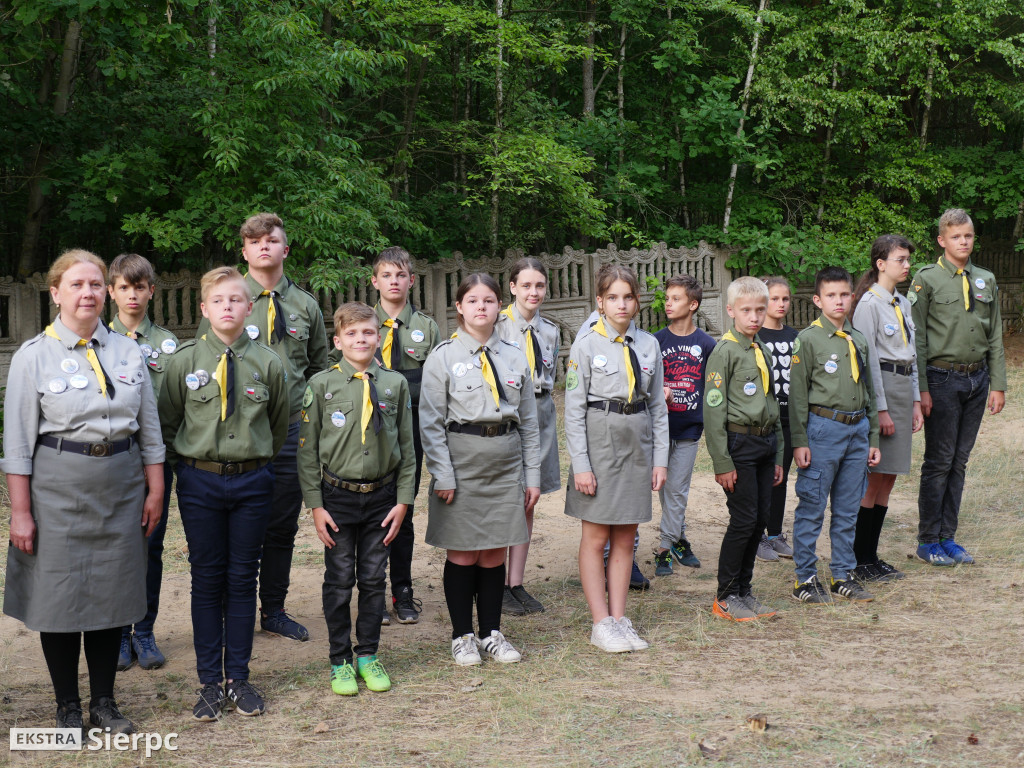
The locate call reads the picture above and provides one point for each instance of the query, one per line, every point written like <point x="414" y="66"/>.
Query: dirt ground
<point x="930" y="674"/>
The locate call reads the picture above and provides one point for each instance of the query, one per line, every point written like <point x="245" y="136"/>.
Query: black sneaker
<point x="211" y="701"/>
<point x="867" y="573"/>
<point x="811" y="591"/>
<point x="510" y="606"/>
<point x="126" y="657"/>
<point x="851" y="589"/>
<point x="105" y="715"/>
<point x="407" y="607"/>
<point x="889" y="571"/>
<point x="529" y="602"/>
<point x="69" y="715"/>
<point x="247" y="700"/>
<point x="278" y="622"/>
<point x="637" y="580"/>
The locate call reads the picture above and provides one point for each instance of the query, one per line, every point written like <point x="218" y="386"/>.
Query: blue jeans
<point x="838" y="468"/>
<point x="279" y="540"/>
<point x="155" y="562"/>
<point x="358" y="557"/>
<point x="225" y="518"/>
<point x="958" y="403"/>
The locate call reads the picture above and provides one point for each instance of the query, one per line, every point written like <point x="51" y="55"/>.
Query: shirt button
<point x="104" y="416"/>
<point x="366" y="453"/>
<point x="231" y="437"/>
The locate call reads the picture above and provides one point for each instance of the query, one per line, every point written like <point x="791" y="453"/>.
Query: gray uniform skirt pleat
<point x="487" y="511"/>
<point x="550" y="465"/>
<point x="621" y="450"/>
<point x="89" y="567"/>
<point x="895" y="448"/>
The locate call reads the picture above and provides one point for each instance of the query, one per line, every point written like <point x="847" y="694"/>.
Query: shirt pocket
<point x="339" y="416"/>
<point x="416" y="352"/>
<point x="746" y="384"/>
<point x="469" y="391"/>
<point x="512" y="383"/>
<point x="984" y="301"/>
<point x="389" y="409"/>
<point x="205" y="401"/>
<point x="128" y="385"/>
<point x="604" y="379"/>
<point x="255" y="397"/>
<point x="298" y="333"/>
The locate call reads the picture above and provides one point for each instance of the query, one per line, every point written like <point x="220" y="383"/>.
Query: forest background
<point x="793" y="132"/>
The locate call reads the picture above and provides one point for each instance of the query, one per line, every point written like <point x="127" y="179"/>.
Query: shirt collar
<point x="473" y="346"/>
<point x="70" y="339"/>
<point x="145" y="327"/>
<point x="404" y="317"/>
<point x="951" y="268"/>
<point x="349" y="370"/>
<point x="240" y="346"/>
<point x="829" y="327"/>
<point x="257" y="289"/>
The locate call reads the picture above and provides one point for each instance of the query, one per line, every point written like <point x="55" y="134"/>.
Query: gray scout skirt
<point x="89" y="567"/>
<point x="550" y="465"/>
<point x="895" y="448"/>
<point x="621" y="449"/>
<point x="487" y="511"/>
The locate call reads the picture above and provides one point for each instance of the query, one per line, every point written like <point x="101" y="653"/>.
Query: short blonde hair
<point x="67" y="260"/>
<point x="953" y="217"/>
<point x="745" y="288"/>
<point x="216" y="276"/>
<point x="351" y="313"/>
<point x="262" y="224"/>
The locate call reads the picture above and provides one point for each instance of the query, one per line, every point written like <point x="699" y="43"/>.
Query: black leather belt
<point x="358" y="486"/>
<point x="98" y="450"/>
<point x="902" y="370"/>
<point x="746" y="429"/>
<point x="226" y="467"/>
<point x="957" y="367"/>
<point x="483" y="430"/>
<point x="616" y="406"/>
<point x="846" y="417"/>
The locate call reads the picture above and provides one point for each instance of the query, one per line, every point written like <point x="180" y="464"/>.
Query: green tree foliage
<point x="158" y="125"/>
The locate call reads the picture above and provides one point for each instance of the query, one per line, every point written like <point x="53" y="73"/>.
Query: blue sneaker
<point x="663" y="564"/>
<point x="280" y="623"/>
<point x="126" y="657"/>
<point x="681" y="552"/>
<point x="637" y="580"/>
<point x="955" y="551"/>
<point x="934" y="554"/>
<point x="146" y="650"/>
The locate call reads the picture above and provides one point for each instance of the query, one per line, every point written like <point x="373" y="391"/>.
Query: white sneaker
<point x="607" y="635"/>
<point x="500" y="649"/>
<point x="465" y="651"/>
<point x="636" y="642"/>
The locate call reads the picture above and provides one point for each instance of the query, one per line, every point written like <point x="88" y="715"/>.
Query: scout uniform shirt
<point x="332" y="435"/>
<point x="958" y="320"/>
<point x="542" y="348"/>
<point x="897" y="342"/>
<point x="51" y="376"/>
<point x="822" y="375"/>
<point x="156" y="344"/>
<point x="191" y="407"/>
<point x="297" y="336"/>
<point x="455" y="390"/>
<point x="597" y="371"/>
<point x="738" y="391"/>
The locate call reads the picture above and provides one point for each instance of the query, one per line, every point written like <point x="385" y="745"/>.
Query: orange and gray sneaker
<point x="763" y="611"/>
<point x="734" y="608"/>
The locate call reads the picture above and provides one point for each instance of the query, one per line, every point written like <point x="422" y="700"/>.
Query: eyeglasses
<point x="899" y="261"/>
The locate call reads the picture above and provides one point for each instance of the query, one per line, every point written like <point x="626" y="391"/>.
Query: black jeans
<point x="749" y="504"/>
<point x="357" y="558"/>
<point x="958" y="404"/>
<point x="401" y="547"/>
<point x="778" y="510"/>
<point x="279" y="540"/>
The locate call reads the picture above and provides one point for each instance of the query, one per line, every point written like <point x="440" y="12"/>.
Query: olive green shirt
<point x="415" y="335"/>
<point x="331" y="435"/>
<point x="190" y="417"/>
<point x="946" y="331"/>
<point x="157" y="345"/>
<point x="822" y="375"/>
<point x="734" y="393"/>
<point x="304" y="348"/>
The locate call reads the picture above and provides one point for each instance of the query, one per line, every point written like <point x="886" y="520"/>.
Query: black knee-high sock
<point x="102" y="647"/>
<point x="61" y="650"/>
<point x="459" y="591"/>
<point x="879" y="519"/>
<point x="490" y="592"/>
<point x="862" y="537"/>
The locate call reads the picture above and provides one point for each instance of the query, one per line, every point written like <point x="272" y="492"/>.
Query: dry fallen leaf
<point x="320" y="728"/>
<point x="758" y="723"/>
<point x="472" y="685"/>
<point x="972" y="739"/>
<point x="707" y="751"/>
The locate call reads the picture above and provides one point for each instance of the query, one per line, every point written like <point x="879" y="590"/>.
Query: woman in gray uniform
<point x="520" y="324"/>
<point x="478" y="422"/>
<point x="616" y="426"/>
<point x="84" y="463"/>
<point x="883" y="316"/>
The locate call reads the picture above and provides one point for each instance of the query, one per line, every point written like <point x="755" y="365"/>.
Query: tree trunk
<point x="744" y="112"/>
<point x="682" y="180"/>
<point x="588" y="62"/>
<point x="211" y="39"/>
<point x="327" y="29"/>
<point x="621" y="94"/>
<point x="828" y="152"/>
<point x="29" y="257"/>
<point x="499" y="106"/>
<point x="401" y="168"/>
<point x="1018" y="227"/>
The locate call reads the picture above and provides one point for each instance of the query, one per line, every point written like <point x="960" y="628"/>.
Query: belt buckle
<point x="99" y="449"/>
<point x="230" y="468"/>
<point x="492" y="431"/>
<point x="627" y="409"/>
<point x="365" y="487"/>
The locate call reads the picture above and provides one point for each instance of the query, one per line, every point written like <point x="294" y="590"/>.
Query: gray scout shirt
<point x="875" y="317"/>
<point x="454" y="389"/>
<point x="512" y="328"/>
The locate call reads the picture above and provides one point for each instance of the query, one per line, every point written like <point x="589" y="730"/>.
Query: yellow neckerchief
<point x="531" y="356"/>
<point x="899" y="314"/>
<point x="133" y="335"/>
<point x="90" y="355"/>
<point x="599" y="328"/>
<point x="488" y="371"/>
<point x="966" y="285"/>
<point x="762" y="365"/>
<point x="367" y="413"/>
<point x="221" y="375"/>
<point x="385" y="349"/>
<point x="854" y="364"/>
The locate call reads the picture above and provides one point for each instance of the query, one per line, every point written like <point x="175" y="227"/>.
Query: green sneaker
<point x="343" y="679"/>
<point x="373" y="674"/>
